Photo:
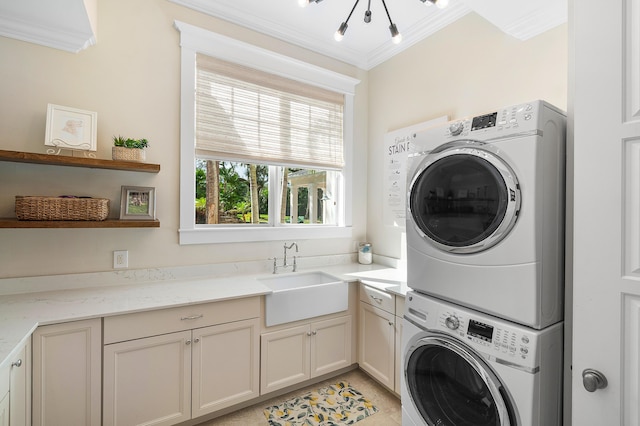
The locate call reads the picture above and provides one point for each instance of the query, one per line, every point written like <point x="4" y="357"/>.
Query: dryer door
<point x="464" y="198"/>
<point x="452" y="386"/>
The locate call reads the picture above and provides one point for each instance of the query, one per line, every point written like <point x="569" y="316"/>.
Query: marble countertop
<point x="22" y="313"/>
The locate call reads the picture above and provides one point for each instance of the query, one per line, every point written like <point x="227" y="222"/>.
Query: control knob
<point x="456" y="128"/>
<point x="452" y="322"/>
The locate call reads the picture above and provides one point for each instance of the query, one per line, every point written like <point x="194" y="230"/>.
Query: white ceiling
<point x="312" y="27"/>
<point x="367" y="45"/>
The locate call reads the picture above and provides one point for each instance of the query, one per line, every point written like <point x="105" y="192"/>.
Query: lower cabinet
<point x="302" y="352"/>
<point x="380" y="336"/>
<point x="20" y="388"/>
<point x="4" y="409"/>
<point x="170" y="378"/>
<point x="67" y="374"/>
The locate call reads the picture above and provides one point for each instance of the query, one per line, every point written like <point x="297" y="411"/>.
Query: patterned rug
<point x="338" y="404"/>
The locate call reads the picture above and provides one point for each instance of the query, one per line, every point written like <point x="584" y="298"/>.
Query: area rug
<point x="338" y="404"/>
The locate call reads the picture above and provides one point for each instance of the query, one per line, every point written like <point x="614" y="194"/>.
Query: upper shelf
<point x="94" y="163"/>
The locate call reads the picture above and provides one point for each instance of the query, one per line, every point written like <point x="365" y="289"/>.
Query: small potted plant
<point x="128" y="149"/>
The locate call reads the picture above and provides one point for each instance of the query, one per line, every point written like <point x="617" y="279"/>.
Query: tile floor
<point x="389" y="411"/>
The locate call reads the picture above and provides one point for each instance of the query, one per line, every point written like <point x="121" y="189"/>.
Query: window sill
<point x="216" y="235"/>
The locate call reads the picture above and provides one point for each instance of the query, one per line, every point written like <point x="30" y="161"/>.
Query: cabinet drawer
<point x="378" y="298"/>
<point x="152" y="323"/>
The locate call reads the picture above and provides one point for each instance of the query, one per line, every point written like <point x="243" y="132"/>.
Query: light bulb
<point x="303" y="3"/>
<point x="396" y="37"/>
<point x="340" y="33"/>
<point x="441" y="4"/>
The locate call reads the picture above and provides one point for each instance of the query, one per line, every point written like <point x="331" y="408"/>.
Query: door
<point x="285" y="358"/>
<point x="377" y="343"/>
<point x="450" y="385"/>
<point x="148" y="381"/>
<point x="225" y="365"/>
<point x="330" y="345"/>
<point x="67" y="357"/>
<point x="604" y="126"/>
<point x="464" y="197"/>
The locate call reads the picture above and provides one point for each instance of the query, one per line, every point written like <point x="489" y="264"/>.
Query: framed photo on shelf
<point x="138" y="203"/>
<point x="71" y="128"/>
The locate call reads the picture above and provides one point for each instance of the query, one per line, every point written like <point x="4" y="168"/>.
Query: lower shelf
<point x="109" y="223"/>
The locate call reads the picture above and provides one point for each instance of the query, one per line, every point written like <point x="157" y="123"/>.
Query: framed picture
<point x="138" y="203"/>
<point x="71" y="128"/>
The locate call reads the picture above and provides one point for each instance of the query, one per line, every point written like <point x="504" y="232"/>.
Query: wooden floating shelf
<point x="109" y="223"/>
<point x="93" y="163"/>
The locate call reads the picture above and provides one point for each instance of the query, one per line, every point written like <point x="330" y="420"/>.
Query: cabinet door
<point x="284" y="358"/>
<point x="4" y="409"/>
<point x="399" y="366"/>
<point x="330" y="345"/>
<point x="225" y="365"/>
<point x="377" y="343"/>
<point x="67" y="374"/>
<point x="148" y="381"/>
<point x="20" y="396"/>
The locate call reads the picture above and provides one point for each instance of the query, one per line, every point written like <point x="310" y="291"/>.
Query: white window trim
<point x="195" y="40"/>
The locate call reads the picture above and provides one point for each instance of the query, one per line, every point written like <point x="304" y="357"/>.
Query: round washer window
<point x="448" y="391"/>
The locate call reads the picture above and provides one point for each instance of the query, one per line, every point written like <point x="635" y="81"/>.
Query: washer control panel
<point x="487" y="336"/>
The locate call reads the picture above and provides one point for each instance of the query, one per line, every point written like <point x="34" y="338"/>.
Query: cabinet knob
<point x="390" y="323"/>
<point x="308" y="333"/>
<point x="593" y="380"/>
<point x="18" y="363"/>
<point x="314" y="332"/>
<point x="196" y="340"/>
<point x="188" y="342"/>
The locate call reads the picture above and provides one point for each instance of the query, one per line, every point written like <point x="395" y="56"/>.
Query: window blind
<point x="252" y="116"/>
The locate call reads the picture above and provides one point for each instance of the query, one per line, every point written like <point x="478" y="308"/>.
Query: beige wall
<point x="131" y="78"/>
<point x="468" y="68"/>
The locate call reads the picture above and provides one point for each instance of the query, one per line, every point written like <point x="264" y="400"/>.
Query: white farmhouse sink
<point x="298" y="296"/>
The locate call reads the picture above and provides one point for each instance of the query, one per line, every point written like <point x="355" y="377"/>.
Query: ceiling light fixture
<point x="396" y="37"/>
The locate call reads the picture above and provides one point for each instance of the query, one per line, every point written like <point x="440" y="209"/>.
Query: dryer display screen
<point x="484" y="121"/>
<point x="480" y="330"/>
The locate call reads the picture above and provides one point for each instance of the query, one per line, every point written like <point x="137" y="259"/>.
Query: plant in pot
<point x="128" y="149"/>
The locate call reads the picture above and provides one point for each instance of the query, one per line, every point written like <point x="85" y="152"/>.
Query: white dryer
<point x="462" y="367"/>
<point x="485" y="219"/>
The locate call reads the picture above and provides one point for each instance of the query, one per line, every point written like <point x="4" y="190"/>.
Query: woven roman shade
<point x="243" y="114"/>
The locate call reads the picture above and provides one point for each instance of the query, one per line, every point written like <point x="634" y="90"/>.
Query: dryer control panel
<point x="497" y="122"/>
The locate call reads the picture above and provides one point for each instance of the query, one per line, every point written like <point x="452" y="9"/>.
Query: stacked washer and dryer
<point x="483" y="331"/>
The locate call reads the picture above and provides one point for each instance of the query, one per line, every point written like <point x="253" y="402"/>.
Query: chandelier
<point x="396" y="37"/>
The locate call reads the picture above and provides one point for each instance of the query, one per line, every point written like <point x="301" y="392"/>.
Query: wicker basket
<point x="128" y="154"/>
<point x="61" y="208"/>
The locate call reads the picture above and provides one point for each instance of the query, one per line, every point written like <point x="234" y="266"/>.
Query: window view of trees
<point x="237" y="193"/>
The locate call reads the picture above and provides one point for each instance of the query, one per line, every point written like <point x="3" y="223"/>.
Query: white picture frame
<point x="138" y="203"/>
<point x="71" y="128"/>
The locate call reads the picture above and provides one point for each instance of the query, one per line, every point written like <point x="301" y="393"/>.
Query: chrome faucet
<point x="284" y="263"/>
<point x="285" y="254"/>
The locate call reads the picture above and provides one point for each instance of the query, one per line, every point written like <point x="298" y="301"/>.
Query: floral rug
<point x="338" y="404"/>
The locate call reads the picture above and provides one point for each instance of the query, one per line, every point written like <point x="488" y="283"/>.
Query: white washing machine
<point x="485" y="219"/>
<point x="466" y="368"/>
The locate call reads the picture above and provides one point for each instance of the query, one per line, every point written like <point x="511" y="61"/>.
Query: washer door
<point x="451" y="386"/>
<point x="464" y="198"/>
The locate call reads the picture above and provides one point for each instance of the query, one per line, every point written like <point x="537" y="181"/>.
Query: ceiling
<point x="312" y="27"/>
<point x="367" y="45"/>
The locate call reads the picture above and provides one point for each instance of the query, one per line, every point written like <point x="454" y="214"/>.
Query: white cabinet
<point x="4" y="409"/>
<point x="302" y="352"/>
<point x="67" y="374"/>
<point x="15" y="389"/>
<point x="20" y="388"/>
<point x="379" y="342"/>
<point x="163" y="376"/>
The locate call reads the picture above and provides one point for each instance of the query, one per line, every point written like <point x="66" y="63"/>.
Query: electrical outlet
<point x="120" y="259"/>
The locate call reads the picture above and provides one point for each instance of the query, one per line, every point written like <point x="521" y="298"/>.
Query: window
<point x="265" y="144"/>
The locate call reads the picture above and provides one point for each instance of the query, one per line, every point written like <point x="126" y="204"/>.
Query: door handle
<point x="593" y="380"/>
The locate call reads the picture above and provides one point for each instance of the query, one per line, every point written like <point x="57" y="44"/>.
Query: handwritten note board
<point x="397" y="146"/>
